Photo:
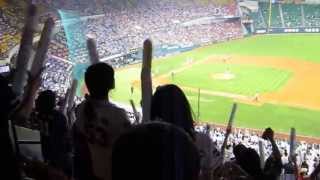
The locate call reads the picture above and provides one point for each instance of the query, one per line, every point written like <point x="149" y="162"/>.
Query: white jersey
<point x="101" y="129"/>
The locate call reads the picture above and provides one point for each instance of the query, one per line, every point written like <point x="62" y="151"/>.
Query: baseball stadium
<point x="261" y="55"/>
<point x="87" y="74"/>
<point x="267" y="75"/>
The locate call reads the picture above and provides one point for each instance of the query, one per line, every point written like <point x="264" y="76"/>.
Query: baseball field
<point x="275" y="79"/>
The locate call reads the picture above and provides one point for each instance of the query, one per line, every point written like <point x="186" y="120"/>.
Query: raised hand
<point x="268" y="134"/>
<point x="146" y="80"/>
<point x="21" y="74"/>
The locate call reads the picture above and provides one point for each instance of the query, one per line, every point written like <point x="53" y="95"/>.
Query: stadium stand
<point x="119" y="31"/>
<point x="292" y="15"/>
<point x="9" y="36"/>
<point x="312" y="15"/>
<point x="56" y="77"/>
<point x="275" y="14"/>
<point x="258" y="20"/>
<point x="285" y="15"/>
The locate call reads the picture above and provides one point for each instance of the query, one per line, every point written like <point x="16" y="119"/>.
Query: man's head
<point x="157" y="151"/>
<point x="99" y="79"/>
<point x="46" y="101"/>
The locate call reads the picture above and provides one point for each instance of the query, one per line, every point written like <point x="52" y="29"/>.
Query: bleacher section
<point x="264" y="20"/>
<point x="294" y="15"/>
<point x="257" y="19"/>
<point x="263" y="8"/>
<point x="311" y="15"/>
<point x="8" y="36"/>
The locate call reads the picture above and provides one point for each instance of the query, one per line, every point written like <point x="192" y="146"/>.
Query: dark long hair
<point x="170" y="104"/>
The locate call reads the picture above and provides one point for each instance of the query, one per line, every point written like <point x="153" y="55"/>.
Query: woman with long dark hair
<point x="169" y="104"/>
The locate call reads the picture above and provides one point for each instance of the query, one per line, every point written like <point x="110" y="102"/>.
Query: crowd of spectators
<point x="121" y="30"/>
<point x="96" y="140"/>
<point x="103" y="143"/>
<point x="294" y="15"/>
<point x="118" y="31"/>
<point x="312" y="15"/>
<point x="104" y="137"/>
<point x="307" y="154"/>
<point x="56" y="76"/>
<point x="8" y="34"/>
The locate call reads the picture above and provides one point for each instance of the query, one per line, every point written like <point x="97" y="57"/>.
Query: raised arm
<point x="269" y="135"/>
<point x="229" y="129"/>
<point x="146" y="80"/>
<point x="34" y="79"/>
<point x="25" y="50"/>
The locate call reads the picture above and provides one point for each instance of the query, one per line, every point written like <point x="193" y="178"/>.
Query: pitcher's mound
<point x="223" y="76"/>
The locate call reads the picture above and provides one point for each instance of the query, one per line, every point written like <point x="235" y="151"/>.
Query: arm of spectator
<point x="268" y="134"/>
<point x="24" y="109"/>
<point x="73" y="91"/>
<point x="135" y="112"/>
<point x="25" y="50"/>
<point x="146" y="80"/>
<point x="43" y="47"/>
<point x="229" y="129"/>
<point x="34" y="80"/>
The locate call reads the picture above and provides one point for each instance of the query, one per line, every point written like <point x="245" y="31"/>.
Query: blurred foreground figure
<point x="157" y="151"/>
<point x="169" y="104"/>
<point x="53" y="131"/>
<point x="8" y="165"/>
<point x="98" y="124"/>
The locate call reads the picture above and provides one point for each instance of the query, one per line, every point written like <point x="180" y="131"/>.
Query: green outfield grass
<point x="247" y="80"/>
<point x="216" y="109"/>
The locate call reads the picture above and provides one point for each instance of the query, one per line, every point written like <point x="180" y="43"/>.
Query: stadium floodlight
<point x="146" y="80"/>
